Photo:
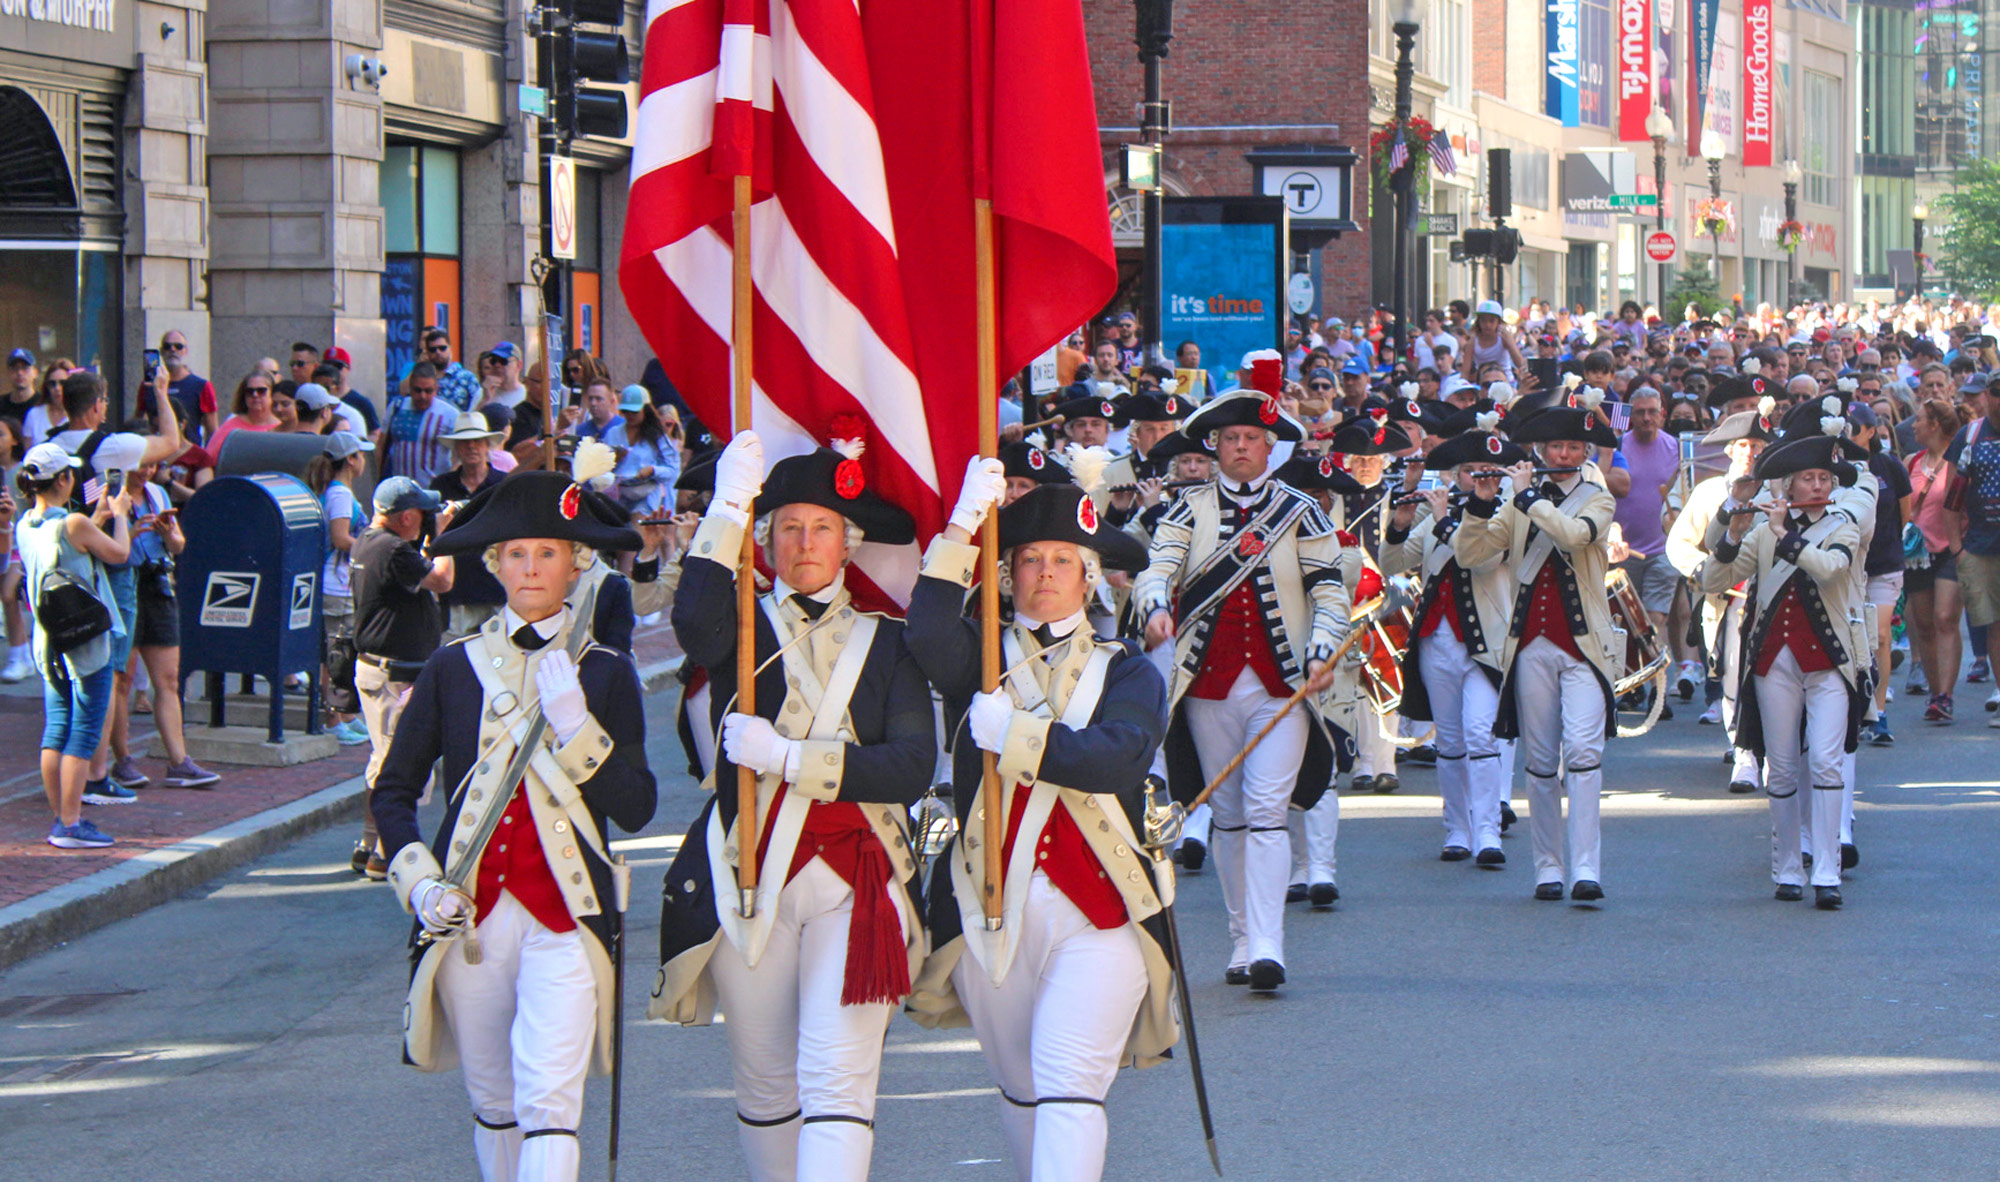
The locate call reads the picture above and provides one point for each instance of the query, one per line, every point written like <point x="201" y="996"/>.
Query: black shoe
<point x="1295" y="893"/>
<point x="1266" y="976"/>
<point x="1742" y="787"/>
<point x="1454" y="853"/>
<point x="1507" y="817"/>
<point x="1790" y="892"/>
<point x="1324" y="894"/>
<point x="1806" y="860"/>
<point x="1387" y="783"/>
<point x="1826" y="898"/>
<point x="1492" y="856"/>
<point x="1850" y="855"/>
<point x="1236" y="974"/>
<point x="1666" y="712"/>
<point x="377" y="868"/>
<point x="1585" y="891"/>
<point x="358" y="862"/>
<point x="1548" y="891"/>
<point x="1361" y="784"/>
<point x="1422" y="755"/>
<point x="1193" y="853"/>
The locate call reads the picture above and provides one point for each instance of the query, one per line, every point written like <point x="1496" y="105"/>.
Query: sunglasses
<point x="256" y="389"/>
<point x="1320" y="386"/>
<point x="173" y="347"/>
<point x="437" y="348"/>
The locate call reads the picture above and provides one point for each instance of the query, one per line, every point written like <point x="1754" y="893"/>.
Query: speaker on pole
<point x="1499" y="182"/>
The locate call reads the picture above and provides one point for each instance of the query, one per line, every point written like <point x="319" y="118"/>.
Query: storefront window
<point x="420" y="285"/>
<point x="1823" y="139"/>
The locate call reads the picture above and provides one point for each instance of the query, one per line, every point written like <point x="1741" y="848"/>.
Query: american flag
<point x="1399" y="152"/>
<point x="864" y="165"/>
<point x="1441" y="154"/>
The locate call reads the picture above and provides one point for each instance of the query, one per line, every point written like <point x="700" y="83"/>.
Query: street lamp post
<point x="1403" y="181"/>
<point x="1919" y="213"/>
<point x="1155" y="32"/>
<point x="1660" y="127"/>
<point x="1712" y="150"/>
<point x="1792" y="174"/>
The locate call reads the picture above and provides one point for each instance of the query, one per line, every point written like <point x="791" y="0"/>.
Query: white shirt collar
<point x="1060" y="629"/>
<point x="782" y="591"/>
<point x="546" y="629"/>
<point x="1254" y="487"/>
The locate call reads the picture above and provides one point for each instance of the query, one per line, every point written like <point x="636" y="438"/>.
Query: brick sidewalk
<point x="29" y="865"/>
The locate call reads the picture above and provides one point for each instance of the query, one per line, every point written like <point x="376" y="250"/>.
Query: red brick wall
<point x="1489" y="47"/>
<point x="1248" y="62"/>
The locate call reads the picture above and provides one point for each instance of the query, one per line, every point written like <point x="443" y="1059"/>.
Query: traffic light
<point x="1502" y="244"/>
<point x="585" y="56"/>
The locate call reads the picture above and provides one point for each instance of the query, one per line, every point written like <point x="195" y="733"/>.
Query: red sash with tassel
<point x="837" y="833"/>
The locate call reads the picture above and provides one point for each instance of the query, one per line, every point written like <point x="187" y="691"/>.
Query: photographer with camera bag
<point x="64" y="554"/>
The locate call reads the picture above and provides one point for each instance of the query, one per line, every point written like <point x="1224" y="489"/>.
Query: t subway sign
<point x="1757" y="104"/>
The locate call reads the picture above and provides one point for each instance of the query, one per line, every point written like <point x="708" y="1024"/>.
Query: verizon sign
<point x="1759" y="106"/>
<point x="1635" y="66"/>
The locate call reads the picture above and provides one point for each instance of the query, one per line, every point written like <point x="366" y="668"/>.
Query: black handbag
<point x="69" y="611"/>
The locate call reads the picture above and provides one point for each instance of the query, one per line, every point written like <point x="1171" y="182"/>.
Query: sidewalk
<point x="171" y="839"/>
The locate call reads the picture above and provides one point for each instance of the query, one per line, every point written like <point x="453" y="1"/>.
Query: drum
<point x="1382" y="645"/>
<point x="1645" y="656"/>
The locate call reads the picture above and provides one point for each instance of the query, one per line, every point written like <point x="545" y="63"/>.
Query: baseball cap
<point x="21" y="355"/>
<point x="400" y="492"/>
<point x="338" y="356"/>
<point x="1490" y="308"/>
<point x="1127" y="318"/>
<point x="314" y="395"/>
<point x="632" y="398"/>
<point x="45" y="461"/>
<point x="1973" y="384"/>
<point x="342" y="444"/>
<point x="1862" y="415"/>
<point x="1355" y="365"/>
<point x="1322" y="374"/>
<point x="505" y="351"/>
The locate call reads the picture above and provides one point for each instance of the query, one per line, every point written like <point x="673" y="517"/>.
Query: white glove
<point x="989" y="717"/>
<point x="985" y="483"/>
<point x="750" y="741"/>
<point x="739" y="474"/>
<point x="440" y="907"/>
<point x="562" y="695"/>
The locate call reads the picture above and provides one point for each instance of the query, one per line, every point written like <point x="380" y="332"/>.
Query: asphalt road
<point x="1439" y="1023"/>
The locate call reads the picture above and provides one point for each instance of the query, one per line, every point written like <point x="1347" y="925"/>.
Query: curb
<point x="34" y="926"/>
<point x="652" y="676"/>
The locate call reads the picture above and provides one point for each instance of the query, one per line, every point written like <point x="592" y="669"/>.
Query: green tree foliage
<point x="1694" y="286"/>
<point x="1964" y="234"/>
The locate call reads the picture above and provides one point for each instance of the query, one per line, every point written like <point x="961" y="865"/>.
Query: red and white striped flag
<point x="863" y="129"/>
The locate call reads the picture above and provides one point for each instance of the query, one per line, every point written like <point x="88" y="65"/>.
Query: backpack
<point x="86" y="452"/>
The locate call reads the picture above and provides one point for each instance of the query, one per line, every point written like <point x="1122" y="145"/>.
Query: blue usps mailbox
<point x="249" y="588"/>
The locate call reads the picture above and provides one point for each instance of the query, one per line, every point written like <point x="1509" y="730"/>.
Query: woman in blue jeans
<point x="77" y="695"/>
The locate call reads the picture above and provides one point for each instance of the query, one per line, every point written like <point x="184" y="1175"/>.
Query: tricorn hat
<point x="1792" y="456"/>
<point x="1154" y="408"/>
<point x="826" y="478"/>
<point x="536" y="504"/>
<point x="1560" y="423"/>
<point x="1474" y="447"/>
<point x="1025" y="461"/>
<point x="1065" y="513"/>
<point x="1317" y="473"/>
<point x="1243" y="408"/>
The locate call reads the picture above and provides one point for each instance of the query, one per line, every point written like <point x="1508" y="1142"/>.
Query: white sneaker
<point x="17" y="670"/>
<point x="1691" y="678"/>
<point x="1713" y="715"/>
<point x="1993" y="700"/>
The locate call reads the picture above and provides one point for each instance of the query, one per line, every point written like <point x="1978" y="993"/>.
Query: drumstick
<point x="1051" y="421"/>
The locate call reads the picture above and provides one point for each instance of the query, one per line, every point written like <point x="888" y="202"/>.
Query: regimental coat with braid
<point x="1293" y="557"/>
<point x="1483" y="595"/>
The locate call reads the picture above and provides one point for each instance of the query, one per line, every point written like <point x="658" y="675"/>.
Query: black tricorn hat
<point x="1065" y="513"/>
<point x="1317" y="473"/>
<point x="830" y="480"/>
<point x="1025" y="461"/>
<point x="1744" y="424"/>
<point x="1090" y="407"/>
<point x="1154" y="408"/>
<point x="1474" y="447"/>
<point x="1466" y="418"/>
<point x="537" y="504"/>
<point x="1735" y="386"/>
<point x="1560" y="423"/>
<point x="1809" y="419"/>
<point x="699" y="474"/>
<point x="1178" y="443"/>
<point x="1365" y="437"/>
<point x="1808" y="451"/>
<point x="1243" y="408"/>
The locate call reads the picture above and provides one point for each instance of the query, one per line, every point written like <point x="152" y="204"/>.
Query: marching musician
<point x="1087" y="416"/>
<point x="1028" y="467"/>
<point x="1803" y="674"/>
<point x="1453" y="668"/>
<point x="1743" y="437"/>
<point x="1243" y="579"/>
<point x="513" y="967"/>
<point x="843" y="742"/>
<point x="1561" y="654"/>
<point x="1077" y="980"/>
<point x="1365" y="444"/>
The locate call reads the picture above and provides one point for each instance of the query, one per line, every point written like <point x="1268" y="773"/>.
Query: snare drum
<point x="1382" y="658"/>
<point x="1644" y="655"/>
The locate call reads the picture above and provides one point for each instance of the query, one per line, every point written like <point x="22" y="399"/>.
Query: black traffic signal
<point x="584" y="56"/>
<point x="1502" y="244"/>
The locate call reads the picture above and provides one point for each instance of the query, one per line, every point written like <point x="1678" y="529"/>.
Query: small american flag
<point x="1441" y="154"/>
<point x="1399" y="152"/>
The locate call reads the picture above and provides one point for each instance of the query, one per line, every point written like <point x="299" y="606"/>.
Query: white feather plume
<point x="1592" y="397"/>
<point x="1751" y="367"/>
<point x="593" y="459"/>
<point x="1767" y="406"/>
<point x="1848" y="385"/>
<point x="1502" y="393"/>
<point x="1086" y="467"/>
<point x="1487" y="420"/>
<point x="1408" y="390"/>
<point x="1829" y="405"/>
<point x="1572" y="380"/>
<point x="849" y="449"/>
<point x="1834" y="425"/>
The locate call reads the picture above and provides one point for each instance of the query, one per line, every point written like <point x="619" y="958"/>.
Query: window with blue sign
<point x="420" y="280"/>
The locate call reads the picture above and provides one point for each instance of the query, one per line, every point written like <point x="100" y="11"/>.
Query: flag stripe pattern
<point x="1441" y="153"/>
<point x="1399" y="152"/>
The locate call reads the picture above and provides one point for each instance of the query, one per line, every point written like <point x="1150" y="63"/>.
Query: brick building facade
<point x="1242" y="75"/>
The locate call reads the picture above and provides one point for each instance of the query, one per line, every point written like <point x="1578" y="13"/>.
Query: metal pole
<point x="1660" y="211"/>
<point x="1403" y="181"/>
<point x="1715" y="234"/>
<point x="1792" y="256"/>
<point x="1155" y="33"/>
<point x="1917" y="259"/>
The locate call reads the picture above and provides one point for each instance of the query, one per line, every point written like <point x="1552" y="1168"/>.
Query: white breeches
<point x="1374" y="754"/>
<point x="1249" y="809"/>
<point x="524" y="1019"/>
<point x="806" y="1066"/>
<point x="1054" y="1031"/>
<point x="1560" y="705"/>
<point x="1785" y="695"/>
<point x="1464" y="701"/>
<point x="1315" y="833"/>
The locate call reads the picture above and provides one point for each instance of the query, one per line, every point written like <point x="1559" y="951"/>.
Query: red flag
<point x="869" y="128"/>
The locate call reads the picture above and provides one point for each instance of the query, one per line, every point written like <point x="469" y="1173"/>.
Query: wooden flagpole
<point x="988" y="349"/>
<point x="746" y="566"/>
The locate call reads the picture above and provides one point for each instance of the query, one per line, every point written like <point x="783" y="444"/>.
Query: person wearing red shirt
<point x="1803" y="670"/>
<point x="1561" y="652"/>
<point x="1054" y="994"/>
<point x="517" y="938"/>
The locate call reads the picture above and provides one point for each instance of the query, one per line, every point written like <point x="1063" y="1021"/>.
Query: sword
<point x="1159" y="853"/>
<point x="621" y="885"/>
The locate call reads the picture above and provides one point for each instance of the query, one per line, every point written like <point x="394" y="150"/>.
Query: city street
<point x="1439" y="1022"/>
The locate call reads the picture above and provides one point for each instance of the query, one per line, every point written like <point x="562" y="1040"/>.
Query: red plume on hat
<point x="1267" y="375"/>
<point x="849" y="434"/>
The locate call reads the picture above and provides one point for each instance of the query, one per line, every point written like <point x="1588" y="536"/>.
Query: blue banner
<point x="1701" y="56"/>
<point x="401" y="279"/>
<point x="1561" y="41"/>
<point x="1219" y="289"/>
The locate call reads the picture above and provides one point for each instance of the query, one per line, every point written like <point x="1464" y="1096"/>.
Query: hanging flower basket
<point x="1713" y="217"/>
<point x="1790" y="234"/>
<point x="1417" y="135"/>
